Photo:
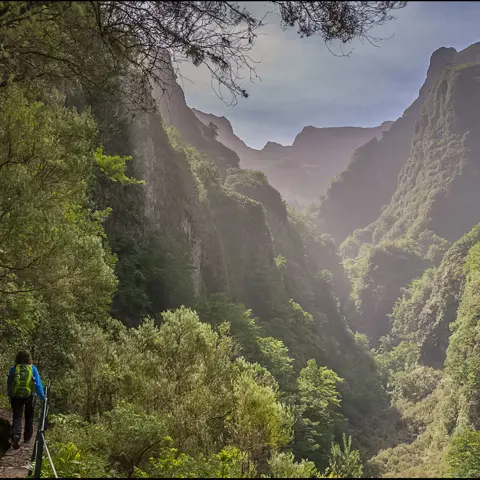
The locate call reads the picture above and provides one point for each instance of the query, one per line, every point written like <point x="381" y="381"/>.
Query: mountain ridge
<point x="354" y="199"/>
<point x="435" y="201"/>
<point x="302" y="170"/>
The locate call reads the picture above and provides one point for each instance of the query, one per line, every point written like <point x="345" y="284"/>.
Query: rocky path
<point x="15" y="462"/>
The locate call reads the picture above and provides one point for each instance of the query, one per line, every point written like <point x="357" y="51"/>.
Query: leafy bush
<point x="228" y="463"/>
<point x="319" y="417"/>
<point x="180" y="380"/>
<point x="344" y="463"/>
<point x="463" y="455"/>
<point x="283" y="465"/>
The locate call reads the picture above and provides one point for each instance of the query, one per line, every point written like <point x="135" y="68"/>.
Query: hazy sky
<point x="302" y="83"/>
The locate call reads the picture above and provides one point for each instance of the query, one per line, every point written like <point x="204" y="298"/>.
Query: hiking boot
<point x="27" y="437"/>
<point x="16" y="442"/>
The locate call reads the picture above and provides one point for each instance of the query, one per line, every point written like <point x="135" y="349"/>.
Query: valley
<point x="204" y="309"/>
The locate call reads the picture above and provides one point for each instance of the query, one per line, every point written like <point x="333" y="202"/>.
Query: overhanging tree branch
<point x="143" y="40"/>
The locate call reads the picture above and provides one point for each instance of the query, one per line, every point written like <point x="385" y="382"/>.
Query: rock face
<point x="357" y="195"/>
<point x="435" y="203"/>
<point x="175" y="112"/>
<point x="5" y="428"/>
<point x="227" y="137"/>
<point x="303" y="170"/>
<point x="197" y="229"/>
<point x="438" y="186"/>
<point x="440" y="308"/>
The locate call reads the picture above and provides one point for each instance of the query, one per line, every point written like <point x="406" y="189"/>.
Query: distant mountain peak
<point x="439" y="58"/>
<point x="303" y="170"/>
<point x="220" y="122"/>
<point x="269" y="146"/>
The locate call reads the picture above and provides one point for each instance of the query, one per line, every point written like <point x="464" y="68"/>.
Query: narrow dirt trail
<point x="15" y="462"/>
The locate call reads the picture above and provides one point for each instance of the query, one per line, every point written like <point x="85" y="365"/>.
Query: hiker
<point x="23" y="385"/>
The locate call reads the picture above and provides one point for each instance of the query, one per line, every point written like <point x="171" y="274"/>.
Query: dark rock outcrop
<point x="5" y="429"/>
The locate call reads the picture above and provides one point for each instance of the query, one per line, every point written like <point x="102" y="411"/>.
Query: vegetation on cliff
<point x="416" y="294"/>
<point x="434" y="204"/>
<point x="165" y="310"/>
<point x="440" y="403"/>
<point x="192" y="324"/>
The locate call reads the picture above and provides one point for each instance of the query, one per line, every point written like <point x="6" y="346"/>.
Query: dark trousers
<point x="18" y="405"/>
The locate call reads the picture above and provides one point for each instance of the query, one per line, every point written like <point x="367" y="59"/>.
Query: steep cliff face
<point x="197" y="228"/>
<point x="438" y="186"/>
<point x="160" y="230"/>
<point x="227" y="137"/>
<point x="303" y="170"/>
<point x="304" y="256"/>
<point x="428" y="307"/>
<point x="177" y="239"/>
<point x="355" y="198"/>
<point x="435" y="202"/>
<point x="172" y="105"/>
<point x="306" y="252"/>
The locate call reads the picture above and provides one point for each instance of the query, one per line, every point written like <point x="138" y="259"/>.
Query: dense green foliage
<point x="439" y="406"/>
<point x="463" y="456"/>
<point x="177" y="381"/>
<point x="433" y="205"/>
<point x="55" y="265"/>
<point x="435" y="403"/>
<point x="194" y="326"/>
<point x="185" y="334"/>
<point x="413" y="271"/>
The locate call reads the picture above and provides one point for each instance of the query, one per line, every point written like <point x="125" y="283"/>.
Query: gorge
<point x="204" y="309"/>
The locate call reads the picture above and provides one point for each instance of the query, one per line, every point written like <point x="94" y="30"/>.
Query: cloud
<point x="302" y="83"/>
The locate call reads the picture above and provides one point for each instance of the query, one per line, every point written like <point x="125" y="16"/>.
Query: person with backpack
<point x="23" y="384"/>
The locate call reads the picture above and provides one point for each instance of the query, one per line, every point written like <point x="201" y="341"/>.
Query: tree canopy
<point x="146" y="36"/>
